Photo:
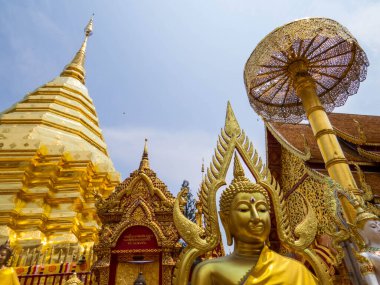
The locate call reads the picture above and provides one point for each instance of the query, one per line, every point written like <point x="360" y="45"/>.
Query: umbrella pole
<point x="333" y="156"/>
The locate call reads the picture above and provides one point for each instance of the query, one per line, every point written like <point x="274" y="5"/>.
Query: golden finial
<point x="89" y="28"/>
<point x="145" y="153"/>
<point x="231" y="124"/>
<point x="144" y="164"/>
<point x="75" y="68"/>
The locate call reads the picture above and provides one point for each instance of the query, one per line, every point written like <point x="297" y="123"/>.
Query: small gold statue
<point x="73" y="280"/>
<point x="8" y="275"/>
<point x="245" y="215"/>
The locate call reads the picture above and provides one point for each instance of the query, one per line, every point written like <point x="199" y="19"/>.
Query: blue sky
<point x="164" y="70"/>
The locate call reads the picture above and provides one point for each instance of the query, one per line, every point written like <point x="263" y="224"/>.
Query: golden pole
<point x="332" y="153"/>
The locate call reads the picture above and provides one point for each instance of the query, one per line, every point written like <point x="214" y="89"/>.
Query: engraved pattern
<point x="319" y="191"/>
<point x="141" y="200"/>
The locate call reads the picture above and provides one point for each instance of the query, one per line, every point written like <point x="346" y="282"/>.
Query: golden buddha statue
<point x="245" y="209"/>
<point x="245" y="215"/>
<point x="8" y="275"/>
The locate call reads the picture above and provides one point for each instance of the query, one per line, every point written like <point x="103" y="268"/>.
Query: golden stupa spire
<point x="75" y="68"/>
<point x="144" y="164"/>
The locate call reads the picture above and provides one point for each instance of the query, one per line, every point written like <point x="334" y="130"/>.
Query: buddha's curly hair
<point x="240" y="185"/>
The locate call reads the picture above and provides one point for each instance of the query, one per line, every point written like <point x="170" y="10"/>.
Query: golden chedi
<point x="245" y="215"/>
<point x="52" y="158"/>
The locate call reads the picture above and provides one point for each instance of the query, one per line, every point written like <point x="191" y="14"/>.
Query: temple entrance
<point x="136" y="251"/>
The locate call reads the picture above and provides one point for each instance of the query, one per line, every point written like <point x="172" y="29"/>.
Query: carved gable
<point x="139" y="205"/>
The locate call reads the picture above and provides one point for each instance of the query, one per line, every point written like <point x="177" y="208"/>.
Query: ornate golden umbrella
<point x="303" y="70"/>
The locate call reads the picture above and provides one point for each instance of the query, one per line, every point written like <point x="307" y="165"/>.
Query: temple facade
<point x="295" y="161"/>
<point x="53" y="158"/>
<point x="358" y="136"/>
<point x="138" y="233"/>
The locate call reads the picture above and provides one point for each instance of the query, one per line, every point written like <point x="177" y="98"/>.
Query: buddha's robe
<point x="8" y="276"/>
<point x="275" y="269"/>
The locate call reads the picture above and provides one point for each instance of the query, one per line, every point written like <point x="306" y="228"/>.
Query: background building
<point x="296" y="162"/>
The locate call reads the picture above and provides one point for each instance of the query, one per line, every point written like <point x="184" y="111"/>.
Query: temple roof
<point x="358" y="135"/>
<point x="142" y="199"/>
<point x="356" y="126"/>
<point x="144" y="169"/>
<point x="142" y="185"/>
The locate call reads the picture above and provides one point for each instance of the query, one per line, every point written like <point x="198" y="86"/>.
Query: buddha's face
<point x="4" y="255"/>
<point x="249" y="219"/>
<point x="371" y="231"/>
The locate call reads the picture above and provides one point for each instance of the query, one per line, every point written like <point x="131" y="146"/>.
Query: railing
<point x="53" y="279"/>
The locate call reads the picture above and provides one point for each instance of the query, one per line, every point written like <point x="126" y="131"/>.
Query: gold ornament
<point x="201" y="240"/>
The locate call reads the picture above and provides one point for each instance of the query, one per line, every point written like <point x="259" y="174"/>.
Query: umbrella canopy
<point x="330" y="54"/>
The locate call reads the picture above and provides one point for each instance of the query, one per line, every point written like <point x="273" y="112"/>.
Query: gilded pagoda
<point x="53" y="158"/>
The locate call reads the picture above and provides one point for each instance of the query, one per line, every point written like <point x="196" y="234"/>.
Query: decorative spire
<point x="75" y="68"/>
<point x="144" y="164"/>
<point x="231" y="124"/>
